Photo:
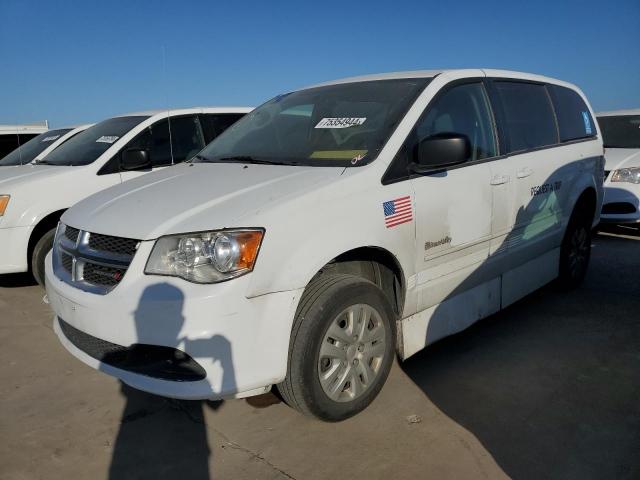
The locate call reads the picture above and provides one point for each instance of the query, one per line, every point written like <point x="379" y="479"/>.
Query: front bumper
<point x="241" y="343"/>
<point x="14" y="242"/>
<point x="626" y="194"/>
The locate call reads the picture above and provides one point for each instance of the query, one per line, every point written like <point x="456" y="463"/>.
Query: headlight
<point x="628" y="175"/>
<point x="4" y="201"/>
<point x="206" y="257"/>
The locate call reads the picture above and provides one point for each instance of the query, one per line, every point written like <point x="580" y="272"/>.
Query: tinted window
<point x="214" y="124"/>
<point x="87" y="146"/>
<point x="186" y="140"/>
<point x="30" y="150"/>
<point x="528" y="115"/>
<point x="462" y="110"/>
<point x="620" y="131"/>
<point x="334" y="125"/>
<point x="574" y="119"/>
<point x="9" y="142"/>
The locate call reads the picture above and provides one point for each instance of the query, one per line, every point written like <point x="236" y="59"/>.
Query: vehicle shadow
<point x="17" y="280"/>
<point x="160" y="437"/>
<point x="549" y="385"/>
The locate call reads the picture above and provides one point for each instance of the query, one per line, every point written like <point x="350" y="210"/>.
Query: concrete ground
<point x="549" y="388"/>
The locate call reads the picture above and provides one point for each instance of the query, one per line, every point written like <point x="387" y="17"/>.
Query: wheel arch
<point x="45" y="224"/>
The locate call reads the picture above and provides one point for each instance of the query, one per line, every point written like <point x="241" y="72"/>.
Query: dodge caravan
<point x="327" y="230"/>
<point x="33" y="197"/>
<point x="39" y="147"/>
<point x="621" y="137"/>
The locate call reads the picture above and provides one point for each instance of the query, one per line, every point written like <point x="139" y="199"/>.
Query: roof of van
<point x="38" y="127"/>
<point x="611" y="113"/>
<point x="433" y="73"/>
<point x="184" y="111"/>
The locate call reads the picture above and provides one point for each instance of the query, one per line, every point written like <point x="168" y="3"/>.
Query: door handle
<point x="499" y="179"/>
<point x="524" y="173"/>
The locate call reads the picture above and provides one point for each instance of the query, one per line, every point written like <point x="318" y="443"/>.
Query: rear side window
<point x="574" y="119"/>
<point x="528" y="114"/>
<point x="213" y="124"/>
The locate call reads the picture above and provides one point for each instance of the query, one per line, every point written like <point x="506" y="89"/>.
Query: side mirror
<point x="135" y="159"/>
<point x="440" y="151"/>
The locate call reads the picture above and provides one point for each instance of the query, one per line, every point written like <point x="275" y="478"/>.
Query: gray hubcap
<point x="351" y="353"/>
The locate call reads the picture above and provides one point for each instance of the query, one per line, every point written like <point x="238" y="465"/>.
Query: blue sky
<point x="73" y="62"/>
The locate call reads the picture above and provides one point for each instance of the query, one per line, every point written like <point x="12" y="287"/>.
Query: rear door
<point x="533" y="172"/>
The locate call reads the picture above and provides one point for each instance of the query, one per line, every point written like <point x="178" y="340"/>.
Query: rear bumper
<point x="14" y="242"/>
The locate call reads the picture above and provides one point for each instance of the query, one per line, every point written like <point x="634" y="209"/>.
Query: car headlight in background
<point x="628" y="175"/>
<point x="206" y="257"/>
<point x="4" y="201"/>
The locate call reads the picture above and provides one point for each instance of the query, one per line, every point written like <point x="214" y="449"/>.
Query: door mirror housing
<point x="135" y="159"/>
<point x="440" y="151"/>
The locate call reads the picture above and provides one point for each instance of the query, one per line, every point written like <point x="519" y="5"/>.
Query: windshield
<point x="30" y="150"/>
<point x="336" y="125"/>
<point x="87" y="146"/>
<point x="621" y="131"/>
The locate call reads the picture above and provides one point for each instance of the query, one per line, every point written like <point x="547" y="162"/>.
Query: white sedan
<point x="621" y="136"/>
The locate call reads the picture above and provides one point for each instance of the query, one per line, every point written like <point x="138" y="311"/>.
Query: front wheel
<point x="43" y="246"/>
<point x="575" y="252"/>
<point x="341" y="349"/>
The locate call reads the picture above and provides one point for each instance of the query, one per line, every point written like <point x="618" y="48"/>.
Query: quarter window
<point x="528" y="115"/>
<point x="574" y="119"/>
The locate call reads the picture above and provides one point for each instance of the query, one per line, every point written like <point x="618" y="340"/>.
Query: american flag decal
<point x="397" y="212"/>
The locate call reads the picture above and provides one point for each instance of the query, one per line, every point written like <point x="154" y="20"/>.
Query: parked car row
<point x="85" y="160"/>
<point x="321" y="234"/>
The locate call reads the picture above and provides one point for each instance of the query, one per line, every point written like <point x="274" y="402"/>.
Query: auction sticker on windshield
<point x="107" y="139"/>
<point x="340" y="122"/>
<point x="50" y="139"/>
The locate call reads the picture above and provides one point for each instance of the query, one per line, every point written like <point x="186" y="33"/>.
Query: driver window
<point x="462" y="110"/>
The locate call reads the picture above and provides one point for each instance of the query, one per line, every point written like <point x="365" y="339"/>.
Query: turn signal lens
<point x="4" y="201"/>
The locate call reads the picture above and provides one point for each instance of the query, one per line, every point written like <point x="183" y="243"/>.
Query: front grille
<point x="165" y="363"/>
<point x="106" y="243"/>
<point x="67" y="262"/>
<point x="91" y="261"/>
<point x="71" y="233"/>
<point x="99" y="275"/>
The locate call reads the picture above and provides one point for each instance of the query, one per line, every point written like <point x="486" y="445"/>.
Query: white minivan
<point x="327" y="230"/>
<point x="12" y="136"/>
<point x="621" y="137"/>
<point x="39" y="147"/>
<point x="34" y="196"/>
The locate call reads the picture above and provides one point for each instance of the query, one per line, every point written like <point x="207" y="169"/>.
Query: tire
<point x="353" y="363"/>
<point x="575" y="251"/>
<point x="44" y="245"/>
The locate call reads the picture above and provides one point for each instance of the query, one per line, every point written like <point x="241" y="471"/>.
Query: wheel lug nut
<point x="355" y="362"/>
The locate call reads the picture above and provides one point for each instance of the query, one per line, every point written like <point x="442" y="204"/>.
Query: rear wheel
<point x="42" y="247"/>
<point x="575" y="251"/>
<point x="341" y="349"/>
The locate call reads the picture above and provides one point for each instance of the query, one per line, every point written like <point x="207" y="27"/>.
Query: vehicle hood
<point x="193" y="197"/>
<point x="13" y="178"/>
<point x="616" y="158"/>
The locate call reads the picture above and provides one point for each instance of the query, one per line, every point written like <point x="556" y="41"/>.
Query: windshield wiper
<point x="42" y="162"/>
<point x="249" y="159"/>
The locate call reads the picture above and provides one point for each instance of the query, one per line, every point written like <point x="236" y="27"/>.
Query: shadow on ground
<point x="550" y="386"/>
<point x="16" y="280"/>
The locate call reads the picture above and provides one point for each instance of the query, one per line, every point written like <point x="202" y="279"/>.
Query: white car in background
<point x="12" y="136"/>
<point x="621" y="137"/>
<point x="39" y="147"/>
<point x="34" y="196"/>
